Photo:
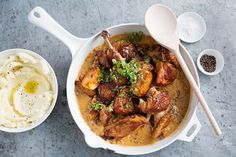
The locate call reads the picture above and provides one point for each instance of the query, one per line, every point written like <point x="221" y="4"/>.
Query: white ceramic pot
<point x="80" y="48"/>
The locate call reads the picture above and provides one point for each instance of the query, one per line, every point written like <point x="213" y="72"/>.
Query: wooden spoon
<point x="162" y="25"/>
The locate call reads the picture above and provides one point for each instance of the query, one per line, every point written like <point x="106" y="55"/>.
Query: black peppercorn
<point x="208" y="63"/>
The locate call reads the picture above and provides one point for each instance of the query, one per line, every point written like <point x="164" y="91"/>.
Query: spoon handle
<point x="198" y="93"/>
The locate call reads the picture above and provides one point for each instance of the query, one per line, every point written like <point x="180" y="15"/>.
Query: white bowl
<point x="10" y="52"/>
<point x="219" y="61"/>
<point x="190" y="34"/>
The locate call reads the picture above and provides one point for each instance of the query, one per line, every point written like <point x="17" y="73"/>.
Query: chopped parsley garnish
<point x="103" y="77"/>
<point x="97" y="106"/>
<point x="118" y="88"/>
<point x="128" y="70"/>
<point x="135" y="37"/>
<point x="121" y="95"/>
<point x="110" y="107"/>
<point x="112" y="76"/>
<point x="107" y="76"/>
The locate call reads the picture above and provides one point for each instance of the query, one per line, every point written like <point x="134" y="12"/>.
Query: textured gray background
<point x="58" y="135"/>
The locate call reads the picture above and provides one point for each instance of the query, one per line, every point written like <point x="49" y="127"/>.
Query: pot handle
<point x="194" y="122"/>
<point x="41" y="18"/>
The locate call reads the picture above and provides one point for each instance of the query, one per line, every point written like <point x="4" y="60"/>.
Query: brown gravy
<point x="179" y="92"/>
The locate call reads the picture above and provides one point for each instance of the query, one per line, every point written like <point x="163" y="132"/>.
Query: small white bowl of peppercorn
<point x="210" y="62"/>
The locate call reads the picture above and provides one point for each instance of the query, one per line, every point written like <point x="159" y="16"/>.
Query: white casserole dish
<point x="80" y="48"/>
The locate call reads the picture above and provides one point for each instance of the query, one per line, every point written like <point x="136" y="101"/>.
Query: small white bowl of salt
<point x="192" y="27"/>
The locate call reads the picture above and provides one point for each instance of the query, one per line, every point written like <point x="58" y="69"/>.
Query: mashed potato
<point x="26" y="92"/>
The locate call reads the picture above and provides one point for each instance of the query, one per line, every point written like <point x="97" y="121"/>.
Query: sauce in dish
<point x="132" y="93"/>
<point x="26" y="92"/>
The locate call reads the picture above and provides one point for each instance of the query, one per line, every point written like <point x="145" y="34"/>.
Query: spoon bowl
<point x="162" y="25"/>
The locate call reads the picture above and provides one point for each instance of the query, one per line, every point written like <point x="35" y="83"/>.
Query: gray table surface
<point x="59" y="135"/>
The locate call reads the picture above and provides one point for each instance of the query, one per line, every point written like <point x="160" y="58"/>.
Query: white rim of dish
<point x="54" y="82"/>
<point x="219" y="58"/>
<point x="200" y="19"/>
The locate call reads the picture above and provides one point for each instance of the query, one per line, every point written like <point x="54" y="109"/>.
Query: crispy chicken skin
<point x="123" y="103"/>
<point x="124" y="126"/>
<point x="158" y="128"/>
<point x="166" y="73"/>
<point x="157" y="101"/>
<point x="144" y="80"/>
<point x="106" y="91"/>
<point x="91" y="78"/>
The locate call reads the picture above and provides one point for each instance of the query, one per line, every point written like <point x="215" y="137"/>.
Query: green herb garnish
<point x="110" y="107"/>
<point x="97" y="106"/>
<point x="106" y="77"/>
<point x="112" y="76"/>
<point x="103" y="77"/>
<point x="121" y="95"/>
<point x="118" y="88"/>
<point x="135" y="37"/>
<point x="128" y="70"/>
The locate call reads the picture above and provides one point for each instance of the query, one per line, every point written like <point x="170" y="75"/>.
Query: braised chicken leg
<point x="124" y="126"/>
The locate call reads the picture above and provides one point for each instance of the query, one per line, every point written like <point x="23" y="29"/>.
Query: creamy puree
<point x="179" y="92"/>
<point x="26" y="92"/>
